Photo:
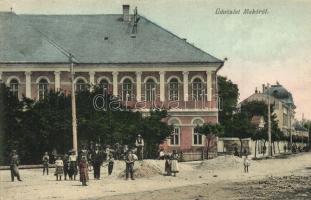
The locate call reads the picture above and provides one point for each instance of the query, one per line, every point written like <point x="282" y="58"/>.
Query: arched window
<point x="175" y="136"/>
<point x="150" y="90"/>
<point x="197" y="89"/>
<point x="173" y="90"/>
<point x="14" y="87"/>
<point x="81" y="85"/>
<point x="103" y="84"/>
<point x="43" y="88"/>
<point x="127" y="90"/>
<point x="197" y="138"/>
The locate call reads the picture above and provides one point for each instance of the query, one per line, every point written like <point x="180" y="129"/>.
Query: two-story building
<point x="283" y="105"/>
<point x="127" y="54"/>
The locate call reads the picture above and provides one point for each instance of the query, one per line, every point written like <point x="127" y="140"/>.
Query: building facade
<point x="283" y="105"/>
<point x="129" y="56"/>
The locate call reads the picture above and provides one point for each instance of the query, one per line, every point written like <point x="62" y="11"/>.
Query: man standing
<point x="14" y="166"/>
<point x="140" y="147"/>
<point x="45" y="161"/>
<point x="129" y="160"/>
<point x="97" y="158"/>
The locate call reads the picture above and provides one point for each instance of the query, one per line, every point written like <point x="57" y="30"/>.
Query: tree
<point x="240" y="127"/>
<point x="307" y="125"/>
<point x="229" y="94"/>
<point x="34" y="127"/>
<point x="259" y="108"/>
<point x="210" y="131"/>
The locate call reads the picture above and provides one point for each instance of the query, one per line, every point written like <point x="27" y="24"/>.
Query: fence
<point x="197" y="155"/>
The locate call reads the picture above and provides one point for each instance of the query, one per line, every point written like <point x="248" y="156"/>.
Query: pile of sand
<point x="222" y="162"/>
<point x="147" y="168"/>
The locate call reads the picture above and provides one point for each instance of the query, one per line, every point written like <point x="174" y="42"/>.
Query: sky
<point x="260" y="48"/>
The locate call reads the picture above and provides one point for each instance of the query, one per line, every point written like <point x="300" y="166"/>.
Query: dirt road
<point x="220" y="178"/>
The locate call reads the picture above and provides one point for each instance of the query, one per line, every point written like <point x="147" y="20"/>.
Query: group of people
<point x="94" y="158"/>
<point x="66" y="165"/>
<point x="70" y="165"/>
<point x="171" y="163"/>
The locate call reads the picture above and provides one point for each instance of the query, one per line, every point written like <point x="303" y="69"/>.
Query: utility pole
<point x="290" y="128"/>
<point x="269" y="125"/>
<point x="73" y="107"/>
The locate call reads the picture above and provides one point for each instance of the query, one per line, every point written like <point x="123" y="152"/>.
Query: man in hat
<point x="14" y="163"/>
<point x="140" y="147"/>
<point x="129" y="161"/>
<point x="97" y="161"/>
<point x="45" y="162"/>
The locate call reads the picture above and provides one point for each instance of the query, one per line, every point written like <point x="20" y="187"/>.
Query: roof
<point x="91" y="39"/>
<point x="279" y="92"/>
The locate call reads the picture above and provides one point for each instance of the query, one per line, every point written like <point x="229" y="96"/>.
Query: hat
<point x="138" y="135"/>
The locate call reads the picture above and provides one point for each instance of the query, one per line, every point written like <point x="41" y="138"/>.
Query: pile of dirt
<point x="146" y="168"/>
<point x="222" y="162"/>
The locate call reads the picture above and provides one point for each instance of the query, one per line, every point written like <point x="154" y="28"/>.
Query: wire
<point x="63" y="50"/>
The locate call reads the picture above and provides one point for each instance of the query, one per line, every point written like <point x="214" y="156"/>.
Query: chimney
<point x="126" y="13"/>
<point x="263" y="88"/>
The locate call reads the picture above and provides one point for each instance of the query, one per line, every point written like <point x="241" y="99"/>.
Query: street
<point x="220" y="178"/>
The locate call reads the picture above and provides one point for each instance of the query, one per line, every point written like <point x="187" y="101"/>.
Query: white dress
<point x="174" y="164"/>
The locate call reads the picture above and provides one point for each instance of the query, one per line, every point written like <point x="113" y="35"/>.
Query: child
<point x="174" y="163"/>
<point x="83" y="170"/>
<point x="168" y="165"/>
<point x="110" y="163"/>
<point x="246" y="164"/>
<point x="59" y="168"/>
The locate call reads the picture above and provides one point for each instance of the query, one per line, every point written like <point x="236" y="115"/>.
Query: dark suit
<point x="97" y="159"/>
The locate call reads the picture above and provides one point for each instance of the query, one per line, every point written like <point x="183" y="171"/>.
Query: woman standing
<point x="168" y="165"/>
<point x="72" y="165"/>
<point x="59" y="168"/>
<point x="174" y="163"/>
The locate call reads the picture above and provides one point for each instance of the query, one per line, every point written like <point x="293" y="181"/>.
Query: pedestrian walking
<point x="97" y="161"/>
<point x="66" y="165"/>
<point x="130" y="159"/>
<point x="246" y="163"/>
<point x="168" y="165"/>
<point x="174" y="163"/>
<point x="46" y="162"/>
<point x="110" y="164"/>
<point x="59" y="168"/>
<point x="83" y="170"/>
<point x="14" y="163"/>
<point x="73" y="168"/>
<point x="140" y="147"/>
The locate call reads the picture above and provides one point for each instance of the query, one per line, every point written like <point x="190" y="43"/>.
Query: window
<point x="175" y="136"/>
<point x="14" y="87"/>
<point x="285" y="117"/>
<point x="43" y="88"/>
<point x="197" y="138"/>
<point x="81" y="85"/>
<point x="173" y="90"/>
<point x="150" y="90"/>
<point x="103" y="84"/>
<point x="127" y="90"/>
<point x="197" y="89"/>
